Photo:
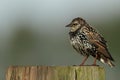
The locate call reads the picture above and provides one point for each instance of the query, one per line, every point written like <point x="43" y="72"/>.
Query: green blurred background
<point x="32" y="32"/>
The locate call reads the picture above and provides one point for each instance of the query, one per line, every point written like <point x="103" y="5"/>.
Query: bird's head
<point x="76" y="24"/>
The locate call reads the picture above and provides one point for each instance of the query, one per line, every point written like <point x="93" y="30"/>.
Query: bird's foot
<point x="95" y="65"/>
<point x="79" y="65"/>
<point x="74" y="65"/>
<point x="86" y="65"/>
<point x="82" y="64"/>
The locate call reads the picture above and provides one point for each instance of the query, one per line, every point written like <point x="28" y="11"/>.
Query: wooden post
<point x="55" y="73"/>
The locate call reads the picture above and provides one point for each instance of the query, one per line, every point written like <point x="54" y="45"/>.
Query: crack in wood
<point x="75" y="74"/>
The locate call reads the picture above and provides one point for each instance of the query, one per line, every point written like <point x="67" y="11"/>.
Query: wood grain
<point x="55" y="73"/>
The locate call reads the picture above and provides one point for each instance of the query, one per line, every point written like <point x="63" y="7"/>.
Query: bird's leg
<point x="94" y="63"/>
<point x="84" y="60"/>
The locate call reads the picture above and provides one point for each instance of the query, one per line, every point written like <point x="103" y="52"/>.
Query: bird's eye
<point x="75" y="24"/>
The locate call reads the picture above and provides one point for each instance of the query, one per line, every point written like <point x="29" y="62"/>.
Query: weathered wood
<point x="55" y="73"/>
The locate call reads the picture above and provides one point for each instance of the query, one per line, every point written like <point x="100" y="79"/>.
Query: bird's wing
<point x="97" y="40"/>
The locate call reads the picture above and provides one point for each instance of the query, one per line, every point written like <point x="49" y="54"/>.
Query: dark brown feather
<point x="99" y="41"/>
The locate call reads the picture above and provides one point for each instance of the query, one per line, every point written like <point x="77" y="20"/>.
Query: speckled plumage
<point x="87" y="41"/>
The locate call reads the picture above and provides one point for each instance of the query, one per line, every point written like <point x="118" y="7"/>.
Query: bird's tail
<point x="110" y="63"/>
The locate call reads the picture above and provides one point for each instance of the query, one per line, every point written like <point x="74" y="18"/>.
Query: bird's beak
<point x="69" y="25"/>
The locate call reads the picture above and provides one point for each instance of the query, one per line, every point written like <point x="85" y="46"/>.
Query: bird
<point x="88" y="42"/>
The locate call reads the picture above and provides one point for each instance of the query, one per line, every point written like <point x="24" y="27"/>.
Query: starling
<point x="87" y="41"/>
